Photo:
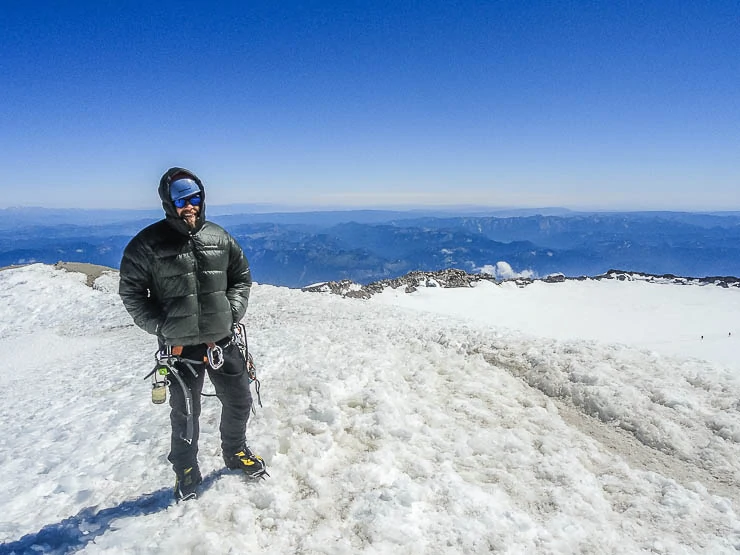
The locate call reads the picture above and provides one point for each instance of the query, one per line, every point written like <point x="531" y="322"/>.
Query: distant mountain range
<point x="298" y="249"/>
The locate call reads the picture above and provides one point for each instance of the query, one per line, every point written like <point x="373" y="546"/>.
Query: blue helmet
<point x="183" y="187"/>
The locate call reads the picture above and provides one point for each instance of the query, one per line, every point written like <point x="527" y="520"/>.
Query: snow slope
<point x="686" y="320"/>
<point x="387" y="429"/>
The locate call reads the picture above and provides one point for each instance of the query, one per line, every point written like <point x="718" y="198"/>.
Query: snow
<point x="684" y="320"/>
<point x="578" y="417"/>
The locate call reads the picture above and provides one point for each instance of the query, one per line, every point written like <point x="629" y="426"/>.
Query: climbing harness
<point x="167" y="357"/>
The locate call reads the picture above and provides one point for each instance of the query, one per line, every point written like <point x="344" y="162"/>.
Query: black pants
<point x="232" y="388"/>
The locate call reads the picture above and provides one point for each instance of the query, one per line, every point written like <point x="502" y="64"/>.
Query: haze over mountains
<point x="295" y="249"/>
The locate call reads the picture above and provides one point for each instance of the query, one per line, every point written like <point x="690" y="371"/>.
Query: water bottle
<point x="159" y="392"/>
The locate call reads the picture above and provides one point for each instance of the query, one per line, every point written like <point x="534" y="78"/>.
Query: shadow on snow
<point x="75" y="532"/>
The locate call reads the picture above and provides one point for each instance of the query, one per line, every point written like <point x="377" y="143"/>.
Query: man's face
<point x="189" y="214"/>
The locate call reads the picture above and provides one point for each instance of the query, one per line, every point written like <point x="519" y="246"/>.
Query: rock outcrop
<point x="453" y="277"/>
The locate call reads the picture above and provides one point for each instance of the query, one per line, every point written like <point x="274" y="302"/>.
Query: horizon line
<point x="267" y="208"/>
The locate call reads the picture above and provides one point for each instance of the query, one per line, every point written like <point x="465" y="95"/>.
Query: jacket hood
<point x="169" y="207"/>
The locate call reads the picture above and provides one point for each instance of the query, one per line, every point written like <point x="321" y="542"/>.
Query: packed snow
<point x="686" y="320"/>
<point x="580" y="417"/>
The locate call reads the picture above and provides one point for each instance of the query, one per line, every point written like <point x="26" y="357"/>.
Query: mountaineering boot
<point x="252" y="465"/>
<point x="187" y="482"/>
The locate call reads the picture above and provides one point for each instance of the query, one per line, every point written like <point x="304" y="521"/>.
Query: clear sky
<point x="586" y="104"/>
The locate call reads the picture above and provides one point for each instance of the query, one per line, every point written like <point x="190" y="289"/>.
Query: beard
<point x="190" y="217"/>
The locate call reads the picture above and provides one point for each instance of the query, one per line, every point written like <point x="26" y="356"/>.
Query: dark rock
<point x="452" y="277"/>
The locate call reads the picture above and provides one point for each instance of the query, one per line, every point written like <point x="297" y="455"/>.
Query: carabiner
<point x="215" y="356"/>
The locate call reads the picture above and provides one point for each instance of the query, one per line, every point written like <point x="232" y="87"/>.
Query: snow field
<point x="386" y="430"/>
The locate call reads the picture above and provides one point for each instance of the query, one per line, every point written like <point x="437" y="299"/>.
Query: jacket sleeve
<point x="239" y="281"/>
<point x="136" y="286"/>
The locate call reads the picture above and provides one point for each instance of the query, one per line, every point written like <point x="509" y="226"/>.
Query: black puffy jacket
<point x="186" y="286"/>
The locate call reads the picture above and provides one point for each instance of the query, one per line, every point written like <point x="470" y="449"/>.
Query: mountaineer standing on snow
<point x="187" y="281"/>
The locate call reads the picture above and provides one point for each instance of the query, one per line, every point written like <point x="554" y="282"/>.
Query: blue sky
<point x="614" y="105"/>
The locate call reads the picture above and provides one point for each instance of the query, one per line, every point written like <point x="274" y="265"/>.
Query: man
<point x="187" y="281"/>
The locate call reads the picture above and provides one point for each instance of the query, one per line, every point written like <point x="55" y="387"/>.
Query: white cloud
<point x="503" y="270"/>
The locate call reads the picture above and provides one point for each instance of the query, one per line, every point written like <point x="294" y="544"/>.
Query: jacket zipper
<point x="197" y="280"/>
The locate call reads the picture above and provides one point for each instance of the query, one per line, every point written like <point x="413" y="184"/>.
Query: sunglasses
<point x="194" y="200"/>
